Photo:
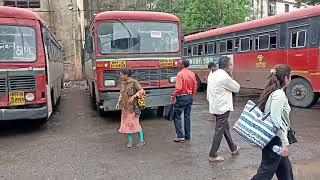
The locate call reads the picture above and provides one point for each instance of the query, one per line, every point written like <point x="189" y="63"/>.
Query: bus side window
<point x="302" y="38"/>
<point x="185" y="51"/>
<point x="195" y="50"/>
<point x="223" y="46"/>
<point x="256" y="43"/>
<point x="244" y="44"/>
<point x="298" y="39"/>
<point x="205" y="48"/>
<point x="236" y="45"/>
<point x="273" y="41"/>
<point x="264" y="42"/>
<point x="229" y="45"/>
<point x="215" y="48"/>
<point x="200" y="49"/>
<point x="211" y="48"/>
<point x="293" y="42"/>
<point x="189" y="51"/>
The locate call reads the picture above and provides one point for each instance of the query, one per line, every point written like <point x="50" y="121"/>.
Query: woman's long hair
<point x="275" y="81"/>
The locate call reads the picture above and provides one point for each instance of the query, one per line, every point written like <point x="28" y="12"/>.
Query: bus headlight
<point x="109" y="83"/>
<point x="30" y="97"/>
<point x="172" y="79"/>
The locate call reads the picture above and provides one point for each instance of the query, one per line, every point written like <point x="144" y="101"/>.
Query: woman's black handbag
<point x="291" y="136"/>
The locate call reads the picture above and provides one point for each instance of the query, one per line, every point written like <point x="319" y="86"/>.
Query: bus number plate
<point x="166" y="63"/>
<point x="16" y="98"/>
<point x="118" y="64"/>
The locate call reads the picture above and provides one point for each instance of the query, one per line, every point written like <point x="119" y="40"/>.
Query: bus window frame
<point x="235" y="39"/>
<point x="297" y="38"/>
<point x="213" y="46"/>
<point x="232" y="44"/>
<point x="268" y="46"/>
<point x="187" y="47"/>
<point x="192" y="50"/>
<point x="240" y="44"/>
<point x="225" y="41"/>
<point x="189" y="55"/>
<point x="273" y="34"/>
<point x="185" y="54"/>
<point x="202" y="49"/>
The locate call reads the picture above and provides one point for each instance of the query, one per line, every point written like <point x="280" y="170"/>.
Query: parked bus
<point x="256" y="46"/>
<point x="148" y="43"/>
<point x="31" y="66"/>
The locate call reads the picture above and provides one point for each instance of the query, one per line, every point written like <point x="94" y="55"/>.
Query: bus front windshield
<point x="17" y="43"/>
<point x="138" y="37"/>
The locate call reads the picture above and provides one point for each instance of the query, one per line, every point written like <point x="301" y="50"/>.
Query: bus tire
<point x="300" y="93"/>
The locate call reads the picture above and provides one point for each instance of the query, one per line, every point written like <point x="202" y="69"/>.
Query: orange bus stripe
<point x="304" y="72"/>
<point x="317" y="73"/>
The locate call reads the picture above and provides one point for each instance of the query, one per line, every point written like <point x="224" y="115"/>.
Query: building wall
<point x="92" y="7"/>
<point x="261" y="8"/>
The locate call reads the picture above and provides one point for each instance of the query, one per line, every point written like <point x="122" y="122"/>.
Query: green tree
<point x="201" y="14"/>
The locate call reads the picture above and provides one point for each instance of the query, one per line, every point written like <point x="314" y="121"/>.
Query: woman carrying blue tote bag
<point x="254" y="126"/>
<point x="273" y="100"/>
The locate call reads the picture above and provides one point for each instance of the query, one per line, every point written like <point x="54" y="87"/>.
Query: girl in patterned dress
<point x="130" y="91"/>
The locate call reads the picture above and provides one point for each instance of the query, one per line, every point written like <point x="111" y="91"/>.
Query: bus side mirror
<point x="88" y="45"/>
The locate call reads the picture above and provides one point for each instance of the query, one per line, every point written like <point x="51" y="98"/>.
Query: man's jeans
<point x="183" y="103"/>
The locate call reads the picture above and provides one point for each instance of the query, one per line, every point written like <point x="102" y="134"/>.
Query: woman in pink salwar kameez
<point x="130" y="91"/>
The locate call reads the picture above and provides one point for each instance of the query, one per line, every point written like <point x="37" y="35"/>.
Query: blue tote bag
<point x="254" y="126"/>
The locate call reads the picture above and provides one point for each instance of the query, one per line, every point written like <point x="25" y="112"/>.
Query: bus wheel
<point x="300" y="93"/>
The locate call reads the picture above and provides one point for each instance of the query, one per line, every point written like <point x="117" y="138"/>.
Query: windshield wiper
<point x="126" y="28"/>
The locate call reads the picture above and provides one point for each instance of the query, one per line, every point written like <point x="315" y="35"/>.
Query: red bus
<point x="31" y="66"/>
<point x="256" y="46"/>
<point x="148" y="43"/>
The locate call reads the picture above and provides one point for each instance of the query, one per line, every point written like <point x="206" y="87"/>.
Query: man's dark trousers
<point x="221" y="129"/>
<point x="183" y="104"/>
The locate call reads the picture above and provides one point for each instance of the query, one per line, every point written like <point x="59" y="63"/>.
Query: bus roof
<point x="19" y="13"/>
<point x="135" y="15"/>
<point x="294" y="15"/>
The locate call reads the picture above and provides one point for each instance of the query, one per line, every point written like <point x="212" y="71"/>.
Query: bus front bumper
<point x="154" y="98"/>
<point x="30" y="113"/>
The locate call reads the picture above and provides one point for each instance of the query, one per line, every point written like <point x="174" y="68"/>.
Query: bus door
<point x="297" y="51"/>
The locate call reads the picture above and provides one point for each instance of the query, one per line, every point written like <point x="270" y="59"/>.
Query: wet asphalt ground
<point x="77" y="143"/>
